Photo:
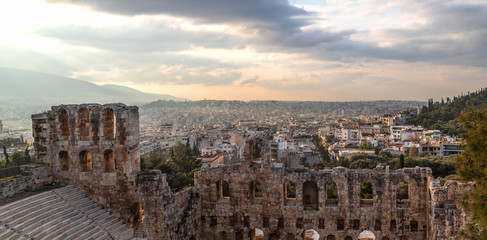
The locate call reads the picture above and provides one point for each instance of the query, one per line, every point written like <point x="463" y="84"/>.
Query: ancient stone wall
<point x="94" y="147"/>
<point x="167" y="215"/>
<point x="447" y="217"/>
<point x="33" y="177"/>
<point x="280" y="217"/>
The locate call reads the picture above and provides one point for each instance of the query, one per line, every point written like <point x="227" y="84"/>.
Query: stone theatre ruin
<point x="96" y="149"/>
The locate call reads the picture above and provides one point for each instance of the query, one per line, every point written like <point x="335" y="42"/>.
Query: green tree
<point x="180" y="170"/>
<point x="413" y="151"/>
<point x="366" y="146"/>
<point x="472" y="166"/>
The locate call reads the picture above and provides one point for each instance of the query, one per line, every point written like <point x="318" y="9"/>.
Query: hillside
<point x="21" y="85"/>
<point x="442" y="114"/>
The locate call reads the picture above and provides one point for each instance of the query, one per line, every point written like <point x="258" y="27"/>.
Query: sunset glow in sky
<point x="332" y="50"/>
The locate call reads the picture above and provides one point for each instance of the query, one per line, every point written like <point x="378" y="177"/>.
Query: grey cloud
<point x="271" y="13"/>
<point x="152" y="37"/>
<point x="277" y="21"/>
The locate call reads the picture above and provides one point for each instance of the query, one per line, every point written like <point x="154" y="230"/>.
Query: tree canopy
<point x="472" y="166"/>
<point x="442" y="115"/>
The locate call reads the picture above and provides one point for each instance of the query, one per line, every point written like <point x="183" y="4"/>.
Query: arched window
<point x="366" y="235"/>
<point x="311" y="234"/>
<point x="64" y="161"/>
<point x="109" y="160"/>
<point x="310" y="196"/>
<point x="63" y="121"/>
<point x="331" y="193"/>
<point x="330" y="237"/>
<point x="108" y="124"/>
<point x="256" y="189"/>
<point x="348" y="238"/>
<point x="402" y="192"/>
<point x="290" y="236"/>
<point x="137" y="213"/>
<point x="85" y="161"/>
<point x="222" y="236"/>
<point x="385" y="238"/>
<point x="223" y="189"/>
<point x="257" y="234"/>
<point x="84" y="124"/>
<point x="290" y="190"/>
<point x="366" y="193"/>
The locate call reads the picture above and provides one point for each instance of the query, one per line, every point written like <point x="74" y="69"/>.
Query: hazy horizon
<point x="298" y="50"/>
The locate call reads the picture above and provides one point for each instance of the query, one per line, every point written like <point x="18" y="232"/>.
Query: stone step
<point x="63" y="213"/>
<point x="60" y="228"/>
<point x="39" y="226"/>
<point x="26" y="210"/>
<point x="35" y="213"/>
<point x="7" y="210"/>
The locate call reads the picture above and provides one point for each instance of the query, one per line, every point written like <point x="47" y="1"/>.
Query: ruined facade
<point x="96" y="148"/>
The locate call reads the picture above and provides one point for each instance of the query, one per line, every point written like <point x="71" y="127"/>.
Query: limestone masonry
<point x="96" y="148"/>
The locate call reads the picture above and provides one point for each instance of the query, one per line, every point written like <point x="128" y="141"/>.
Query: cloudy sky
<point x="255" y="49"/>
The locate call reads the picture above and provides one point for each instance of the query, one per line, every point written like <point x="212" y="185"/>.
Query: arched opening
<point x="290" y="190"/>
<point x="63" y="121"/>
<point x="257" y="234"/>
<point x="348" y="238"/>
<point x="290" y="236"/>
<point x="255" y="189"/>
<point x="223" y="189"/>
<point x="137" y="213"/>
<point x="385" y="238"/>
<point x="330" y="237"/>
<point x="366" y="235"/>
<point x="331" y="193"/>
<point x="222" y="236"/>
<point x="402" y="192"/>
<point x="274" y="236"/>
<point x="366" y="193"/>
<point x="311" y="234"/>
<point x="85" y="161"/>
<point x="108" y="124"/>
<point x="63" y="161"/>
<point x="310" y="196"/>
<point x="84" y="124"/>
<point x="109" y="160"/>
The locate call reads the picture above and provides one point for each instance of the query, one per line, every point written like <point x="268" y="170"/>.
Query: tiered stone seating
<point x="63" y="213"/>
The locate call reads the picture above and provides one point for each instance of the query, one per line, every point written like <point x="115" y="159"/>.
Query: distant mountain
<point x="442" y="115"/>
<point x="18" y="85"/>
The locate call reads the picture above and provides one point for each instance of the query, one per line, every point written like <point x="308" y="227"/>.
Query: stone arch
<point x="366" y="235"/>
<point x="255" y="189"/>
<point x="348" y="238"/>
<point x="385" y="238"/>
<point x="223" y="189"/>
<point x="289" y="190"/>
<point x="330" y="237"/>
<point x="290" y="236"/>
<point x="85" y="161"/>
<point x="64" y="161"/>
<point x="108" y="123"/>
<point x="109" y="160"/>
<point x="311" y="234"/>
<point x="257" y="234"/>
<point x="84" y="124"/>
<point x="222" y="235"/>
<point x="63" y="123"/>
<point x="274" y="236"/>
<point x="137" y="213"/>
<point x="402" y="192"/>
<point x="310" y="195"/>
